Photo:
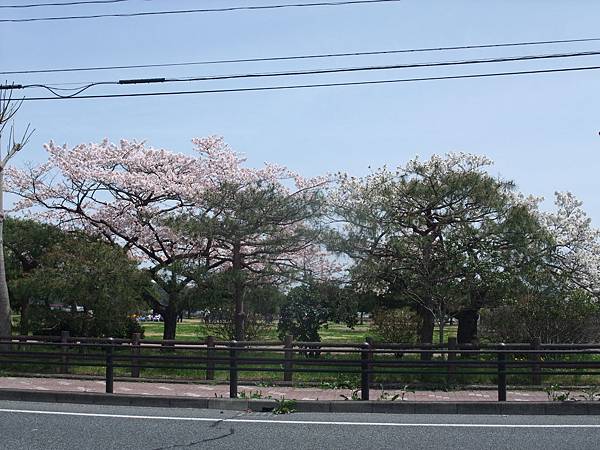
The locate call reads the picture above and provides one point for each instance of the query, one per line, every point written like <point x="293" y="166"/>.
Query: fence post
<point x="452" y="345"/>
<point x="536" y="369"/>
<point x="109" y="367"/>
<point x="288" y="356"/>
<point x="22" y="340"/>
<point x="135" y="351"/>
<point x="501" y="373"/>
<point x="369" y="340"/>
<point x="364" y="371"/>
<point x="210" y="354"/>
<point x="64" y="339"/>
<point x="233" y="372"/>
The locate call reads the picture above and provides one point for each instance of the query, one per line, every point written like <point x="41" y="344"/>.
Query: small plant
<point x="590" y="394"/>
<point x="355" y="395"/>
<point x="284" y="406"/>
<point x="555" y="393"/>
<point x="340" y="383"/>
<point x="251" y="395"/>
<point x="387" y="396"/>
<point x="405" y="390"/>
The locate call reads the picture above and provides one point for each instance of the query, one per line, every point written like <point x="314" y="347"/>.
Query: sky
<point x="542" y="131"/>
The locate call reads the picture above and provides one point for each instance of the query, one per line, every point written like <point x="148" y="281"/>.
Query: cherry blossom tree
<point x="140" y="197"/>
<point x="574" y="250"/>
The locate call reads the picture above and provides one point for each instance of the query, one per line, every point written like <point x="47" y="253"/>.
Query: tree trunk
<point x="426" y="330"/>
<point x="24" y="322"/>
<point x="169" y="314"/>
<point x="5" y="322"/>
<point x="238" y="294"/>
<point x="467" y="326"/>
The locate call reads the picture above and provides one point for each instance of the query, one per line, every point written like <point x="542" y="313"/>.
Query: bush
<point x="47" y="322"/>
<point x="255" y="327"/>
<point x="572" y="318"/>
<point x="302" y="314"/>
<point x="396" y="325"/>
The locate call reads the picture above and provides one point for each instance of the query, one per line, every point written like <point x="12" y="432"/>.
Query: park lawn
<point x="195" y="329"/>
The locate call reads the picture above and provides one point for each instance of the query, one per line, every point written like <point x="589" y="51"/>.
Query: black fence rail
<point x="369" y="362"/>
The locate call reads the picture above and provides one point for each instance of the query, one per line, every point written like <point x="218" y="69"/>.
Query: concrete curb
<point x="333" y="406"/>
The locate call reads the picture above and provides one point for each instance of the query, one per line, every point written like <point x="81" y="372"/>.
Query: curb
<point x="333" y="406"/>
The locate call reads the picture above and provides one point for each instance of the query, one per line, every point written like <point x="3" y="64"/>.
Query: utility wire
<point x="206" y="10"/>
<point x="88" y="2"/>
<point x="318" y="85"/>
<point x="297" y="57"/>
<point x="82" y="87"/>
<point x="383" y="67"/>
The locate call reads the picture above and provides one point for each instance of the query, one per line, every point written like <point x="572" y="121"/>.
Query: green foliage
<point x="47" y="322"/>
<point x="25" y="243"/>
<point x="341" y="382"/>
<point x="72" y="282"/>
<point x="396" y="325"/>
<point x="590" y="394"/>
<point x="252" y="395"/>
<point x="284" y="406"/>
<point x="556" y="394"/>
<point x="386" y="396"/>
<point x="254" y="326"/>
<point x="441" y="234"/>
<point x="354" y="395"/>
<point x="311" y="305"/>
<point x="303" y="314"/>
<point x="552" y="317"/>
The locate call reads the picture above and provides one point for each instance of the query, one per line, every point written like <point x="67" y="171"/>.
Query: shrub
<point x="303" y="313"/>
<point x="255" y="327"/>
<point x="47" y="322"/>
<point x="571" y="318"/>
<point x="396" y="325"/>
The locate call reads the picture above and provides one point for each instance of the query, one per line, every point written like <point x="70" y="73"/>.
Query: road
<point x="25" y="425"/>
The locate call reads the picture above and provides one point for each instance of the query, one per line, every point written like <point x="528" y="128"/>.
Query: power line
<point x="206" y="10"/>
<point x="318" y="85"/>
<point x="84" y="86"/>
<point x="297" y="57"/>
<point x="87" y="2"/>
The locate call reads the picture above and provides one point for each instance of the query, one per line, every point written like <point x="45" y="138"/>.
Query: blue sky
<point x="541" y="130"/>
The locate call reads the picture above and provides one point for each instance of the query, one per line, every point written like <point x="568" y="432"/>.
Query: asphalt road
<point x="67" y="426"/>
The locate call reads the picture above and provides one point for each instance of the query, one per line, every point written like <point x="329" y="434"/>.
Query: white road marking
<point x="302" y="422"/>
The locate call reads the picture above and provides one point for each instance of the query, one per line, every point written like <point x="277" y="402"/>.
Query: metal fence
<point x="367" y="361"/>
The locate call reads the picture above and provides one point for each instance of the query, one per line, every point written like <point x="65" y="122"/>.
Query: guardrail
<point x="366" y="360"/>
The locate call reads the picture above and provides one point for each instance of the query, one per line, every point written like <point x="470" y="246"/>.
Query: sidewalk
<point x="190" y="390"/>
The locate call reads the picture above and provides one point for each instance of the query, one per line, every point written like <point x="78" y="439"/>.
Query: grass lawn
<point x="194" y="329"/>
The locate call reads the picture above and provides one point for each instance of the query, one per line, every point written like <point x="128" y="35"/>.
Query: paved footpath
<point x="195" y="390"/>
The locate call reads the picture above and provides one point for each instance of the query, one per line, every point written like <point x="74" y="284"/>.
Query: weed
<point x="555" y="393"/>
<point x="386" y="396"/>
<point x="590" y="394"/>
<point x="355" y="395"/>
<point x="340" y="383"/>
<point x="251" y="395"/>
<point x="284" y="406"/>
